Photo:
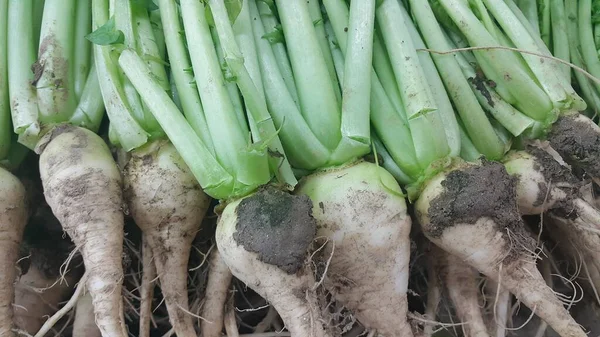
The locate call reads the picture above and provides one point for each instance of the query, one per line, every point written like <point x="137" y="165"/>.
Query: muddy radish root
<point x="461" y="283"/>
<point x="264" y="239"/>
<point x="577" y="139"/>
<point x="215" y="296"/>
<point x="82" y="186"/>
<point x="85" y="324"/>
<point x="13" y="218"/>
<point x="361" y="211"/>
<point x="168" y="205"/>
<point x="460" y="213"/>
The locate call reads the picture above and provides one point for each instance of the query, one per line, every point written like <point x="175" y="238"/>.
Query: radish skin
<point x="82" y="186"/>
<point x="85" y="325"/>
<point x="286" y="283"/>
<point x="487" y="232"/>
<point x="146" y="288"/>
<point x="168" y="205"/>
<point x="215" y="296"/>
<point x="461" y="283"/>
<point x="13" y="218"/>
<point x="361" y="210"/>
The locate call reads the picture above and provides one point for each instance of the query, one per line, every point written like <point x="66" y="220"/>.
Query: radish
<point x="219" y="281"/>
<point x="461" y="284"/>
<point x="162" y="195"/>
<point x="146" y="289"/>
<point x="167" y="203"/>
<point x="85" y="323"/>
<point x="458" y="202"/>
<point x="230" y="169"/>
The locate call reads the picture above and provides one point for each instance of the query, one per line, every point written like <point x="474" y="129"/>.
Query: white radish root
<point x="82" y="186"/>
<point x="470" y="212"/>
<point x="215" y="296"/>
<point x="168" y="205"/>
<point x="264" y="239"/>
<point x="146" y="288"/>
<point x="361" y="211"/>
<point x="13" y="218"/>
<point x="461" y="284"/>
<point x="434" y="289"/>
<point x="85" y="324"/>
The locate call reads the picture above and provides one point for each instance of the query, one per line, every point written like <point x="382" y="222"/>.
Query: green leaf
<point x="234" y="7"/>
<point x="275" y="36"/>
<point x="148" y="4"/>
<point x="106" y="34"/>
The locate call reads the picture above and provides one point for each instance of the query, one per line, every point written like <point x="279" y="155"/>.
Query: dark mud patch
<point x="469" y="194"/>
<point x="277" y="226"/>
<point x="578" y="143"/>
<point x="554" y="174"/>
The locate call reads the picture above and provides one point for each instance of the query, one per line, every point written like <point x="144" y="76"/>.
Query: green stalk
<point x="545" y="29"/>
<point x="38" y="13"/>
<point x="358" y="56"/>
<point x="388" y="162"/>
<point x="470" y="111"/>
<point x="586" y="39"/>
<point x="559" y="89"/>
<point x="213" y="178"/>
<point x="530" y="11"/>
<point x="316" y="91"/>
<point x="90" y="109"/>
<point x="531" y="99"/>
<point x="437" y="88"/>
<point x="159" y="34"/>
<point x="421" y="110"/>
<point x="5" y="129"/>
<point x="560" y="40"/>
<point x="21" y="55"/>
<point x="302" y="147"/>
<point x="314" y="10"/>
<point x="181" y="70"/>
<point x="588" y="89"/>
<point x="271" y="25"/>
<point x="389" y="122"/>
<point x="125" y="128"/>
<point x="468" y="150"/>
<point x="232" y="89"/>
<point x="229" y="140"/>
<point x="82" y="49"/>
<point x="254" y="99"/>
<point x="54" y="78"/>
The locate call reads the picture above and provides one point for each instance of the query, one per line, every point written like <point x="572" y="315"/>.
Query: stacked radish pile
<point x="299" y="167"/>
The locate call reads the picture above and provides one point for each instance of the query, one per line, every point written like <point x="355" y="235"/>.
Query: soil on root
<point x="554" y="173"/>
<point x="578" y="143"/>
<point x="277" y="226"/>
<point x="471" y="193"/>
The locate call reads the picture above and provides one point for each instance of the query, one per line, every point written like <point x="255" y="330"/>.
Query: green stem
<point x="90" y="109"/>
<point x="129" y="133"/>
<point x="589" y="90"/>
<point x="228" y="138"/>
<point x="531" y="99"/>
<point x="21" y="55"/>
<point x="421" y="110"/>
<point x="5" y="129"/>
<point x="545" y="29"/>
<point x="530" y="11"/>
<point x="468" y="150"/>
<point x="314" y="10"/>
<point x="253" y="98"/>
<point x="159" y="34"/>
<point x="316" y="91"/>
<point x="38" y="13"/>
<point x="271" y="24"/>
<point x="212" y="177"/>
<point x="586" y="39"/>
<point x="302" y="147"/>
<point x="470" y="111"/>
<point x="560" y="40"/>
<point x="557" y="87"/>
<point x="388" y="162"/>
<point x="55" y="83"/>
<point x="82" y="48"/>
<point x="181" y="70"/>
